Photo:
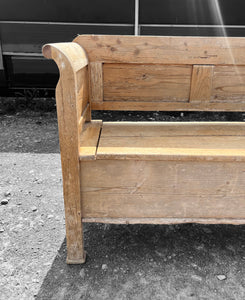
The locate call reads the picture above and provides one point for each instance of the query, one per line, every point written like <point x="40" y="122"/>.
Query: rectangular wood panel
<point x="162" y="189"/>
<point x="229" y="84"/>
<point x="142" y="82"/>
<point x="201" y="83"/>
<point x="96" y="81"/>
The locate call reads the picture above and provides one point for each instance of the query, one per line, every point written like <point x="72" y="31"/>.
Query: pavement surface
<point x="188" y="261"/>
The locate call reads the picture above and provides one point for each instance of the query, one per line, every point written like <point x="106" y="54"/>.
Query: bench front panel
<point x="162" y="189"/>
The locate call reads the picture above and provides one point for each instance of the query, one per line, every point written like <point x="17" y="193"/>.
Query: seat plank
<point x="172" y="128"/>
<point x="172" y="141"/>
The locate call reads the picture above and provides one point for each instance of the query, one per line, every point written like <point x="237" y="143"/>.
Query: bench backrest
<point x="165" y="73"/>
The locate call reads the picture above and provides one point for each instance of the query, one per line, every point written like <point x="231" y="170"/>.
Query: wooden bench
<point x="149" y="172"/>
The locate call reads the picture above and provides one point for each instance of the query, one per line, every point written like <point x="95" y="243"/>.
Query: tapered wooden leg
<point x="74" y="236"/>
<point x="75" y="248"/>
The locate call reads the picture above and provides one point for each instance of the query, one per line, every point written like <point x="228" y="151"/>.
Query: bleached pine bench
<point x="149" y="172"/>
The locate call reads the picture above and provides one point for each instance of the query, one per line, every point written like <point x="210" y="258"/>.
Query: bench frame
<point x="80" y="89"/>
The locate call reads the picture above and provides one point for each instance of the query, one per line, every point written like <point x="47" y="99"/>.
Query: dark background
<point x="25" y="25"/>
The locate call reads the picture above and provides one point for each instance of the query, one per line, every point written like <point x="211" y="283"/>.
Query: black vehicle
<point x="26" y="25"/>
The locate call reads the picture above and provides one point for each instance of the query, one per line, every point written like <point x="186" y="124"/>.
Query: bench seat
<point x="217" y="141"/>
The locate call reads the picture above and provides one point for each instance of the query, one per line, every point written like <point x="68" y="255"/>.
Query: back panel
<point x="166" y="73"/>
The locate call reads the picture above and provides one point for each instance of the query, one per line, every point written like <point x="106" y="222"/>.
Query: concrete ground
<point x="187" y="261"/>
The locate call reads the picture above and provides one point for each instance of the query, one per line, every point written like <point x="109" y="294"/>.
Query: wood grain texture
<point x="89" y="138"/>
<point x="168" y="106"/>
<point x="82" y="91"/>
<point x="172" y="141"/>
<point x="163" y="189"/>
<point x="96" y="81"/>
<point x="164" y="50"/>
<point x="166" y="221"/>
<point x="132" y="82"/>
<point x="70" y="59"/>
<point x="158" y="129"/>
<point x="201" y="83"/>
<point x="229" y="84"/>
<point x="76" y="55"/>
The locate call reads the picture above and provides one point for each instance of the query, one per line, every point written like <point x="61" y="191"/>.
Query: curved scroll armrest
<point x="72" y="53"/>
<point x="73" y="109"/>
<point x="72" y="62"/>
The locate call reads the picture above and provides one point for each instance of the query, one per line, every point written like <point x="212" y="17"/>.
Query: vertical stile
<point x="201" y="83"/>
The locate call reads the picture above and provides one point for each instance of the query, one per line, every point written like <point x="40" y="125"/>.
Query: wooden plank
<point x="96" y="81"/>
<point x="163" y="189"/>
<point x="168" y="106"/>
<point x="70" y="58"/>
<point x="164" y="50"/>
<point x="167" y="221"/>
<point x="156" y="144"/>
<point x="89" y="139"/>
<point x="158" y="129"/>
<point x="82" y="91"/>
<point x="171" y="153"/>
<point x="173" y="141"/>
<point x="201" y="83"/>
<point x="132" y="82"/>
<point x="229" y="84"/>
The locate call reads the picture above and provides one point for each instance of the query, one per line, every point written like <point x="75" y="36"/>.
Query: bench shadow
<point x="151" y="262"/>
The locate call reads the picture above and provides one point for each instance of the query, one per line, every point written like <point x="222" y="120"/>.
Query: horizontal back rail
<point x="165" y="73"/>
<point x="163" y="50"/>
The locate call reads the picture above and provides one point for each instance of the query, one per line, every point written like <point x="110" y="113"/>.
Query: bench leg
<point x="74" y="225"/>
<point x="74" y="241"/>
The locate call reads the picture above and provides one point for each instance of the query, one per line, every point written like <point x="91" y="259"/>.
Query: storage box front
<point x="162" y="189"/>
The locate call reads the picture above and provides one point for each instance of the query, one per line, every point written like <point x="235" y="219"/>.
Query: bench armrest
<point x="73" y="109"/>
<point x="73" y="85"/>
<point x="71" y="53"/>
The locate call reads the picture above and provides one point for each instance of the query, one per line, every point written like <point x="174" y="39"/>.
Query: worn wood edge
<point x="168" y="106"/>
<point x="163" y="123"/>
<point x="171" y="157"/>
<point x="163" y="221"/>
<point x="77" y="261"/>
<point x="73" y="52"/>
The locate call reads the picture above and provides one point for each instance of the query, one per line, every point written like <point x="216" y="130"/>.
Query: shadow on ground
<point x="152" y="262"/>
